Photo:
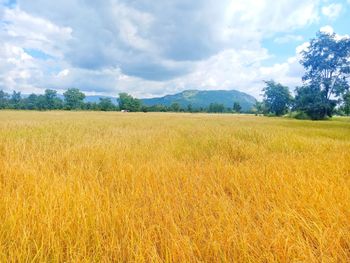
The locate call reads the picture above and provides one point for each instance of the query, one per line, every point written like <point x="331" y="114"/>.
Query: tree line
<point x="73" y="99"/>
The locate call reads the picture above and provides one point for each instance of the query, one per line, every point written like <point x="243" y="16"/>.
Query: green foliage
<point x="189" y="108"/>
<point x="155" y="108"/>
<point x="299" y="115"/>
<point x="346" y="100"/>
<point x="106" y="104"/>
<point x="311" y="100"/>
<point x="127" y="102"/>
<point x="277" y="98"/>
<point x="237" y="107"/>
<point x="51" y="101"/>
<point x="74" y="99"/>
<point x="15" y="100"/>
<point x="327" y="65"/>
<point x="216" y="108"/>
<point x="258" y="108"/>
<point x="31" y="102"/>
<point x="175" y="107"/>
<point x="41" y="103"/>
<point x="91" y="106"/>
<point x="4" y="100"/>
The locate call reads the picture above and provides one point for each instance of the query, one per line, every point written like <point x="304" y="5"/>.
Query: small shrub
<point x="300" y="115"/>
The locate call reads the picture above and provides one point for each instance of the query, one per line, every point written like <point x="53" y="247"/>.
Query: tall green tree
<point x="327" y="68"/>
<point x="277" y="98"/>
<point x="106" y="104"/>
<point x="41" y="103"/>
<point x="189" y="108"/>
<point x="216" y="108"/>
<point x="129" y="103"/>
<point x="31" y="102"/>
<point x="311" y="101"/>
<point x="155" y="108"/>
<point x="346" y="101"/>
<point x="4" y="99"/>
<point x="74" y="99"/>
<point x="175" y="107"/>
<point x="237" y="107"/>
<point x="15" y="100"/>
<point x="51" y="99"/>
<point x="259" y="107"/>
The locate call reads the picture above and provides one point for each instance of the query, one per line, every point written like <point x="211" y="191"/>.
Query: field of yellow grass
<point x="114" y="187"/>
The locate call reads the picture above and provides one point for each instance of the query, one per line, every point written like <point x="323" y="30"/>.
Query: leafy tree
<point x="327" y="65"/>
<point x="106" y="104"/>
<point x="127" y="102"/>
<point x="51" y="100"/>
<point x="144" y="108"/>
<point x="237" y="107"/>
<point x="189" y="108"/>
<point x="41" y="103"/>
<point x="74" y="99"/>
<point x="277" y="98"/>
<point x="259" y="108"/>
<point x="15" y="100"/>
<point x="92" y="106"/>
<point x="310" y="100"/>
<point x="30" y="103"/>
<point x="216" y="108"/>
<point x="346" y="100"/>
<point x="4" y="99"/>
<point x="157" y="108"/>
<point x="175" y="107"/>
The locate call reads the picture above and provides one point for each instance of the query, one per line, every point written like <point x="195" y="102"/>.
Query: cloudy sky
<point x="156" y="47"/>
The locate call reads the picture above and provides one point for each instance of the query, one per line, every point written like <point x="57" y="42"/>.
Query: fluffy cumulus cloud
<point x="149" y="48"/>
<point x="332" y="11"/>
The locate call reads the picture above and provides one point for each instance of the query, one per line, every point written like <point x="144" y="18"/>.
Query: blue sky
<point x="151" y="48"/>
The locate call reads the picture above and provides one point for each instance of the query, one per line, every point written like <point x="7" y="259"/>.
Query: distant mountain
<point x="96" y="99"/>
<point x="199" y="98"/>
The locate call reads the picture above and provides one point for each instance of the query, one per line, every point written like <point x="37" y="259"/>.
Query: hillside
<point x="203" y="99"/>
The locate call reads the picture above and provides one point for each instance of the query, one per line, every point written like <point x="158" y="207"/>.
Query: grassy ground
<point x="92" y="187"/>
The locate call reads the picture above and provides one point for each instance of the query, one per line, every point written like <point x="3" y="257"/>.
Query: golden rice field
<point x="114" y="187"/>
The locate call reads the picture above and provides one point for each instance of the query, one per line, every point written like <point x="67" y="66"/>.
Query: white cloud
<point x="230" y="69"/>
<point x="327" y="29"/>
<point x="332" y="11"/>
<point x="302" y="47"/>
<point x="243" y="71"/>
<point x="20" y="31"/>
<point x="17" y="69"/>
<point x="29" y="31"/>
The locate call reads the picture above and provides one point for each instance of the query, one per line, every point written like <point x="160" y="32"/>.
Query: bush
<point x="300" y="115"/>
<point x="270" y="114"/>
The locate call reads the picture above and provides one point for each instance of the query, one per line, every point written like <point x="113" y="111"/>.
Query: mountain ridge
<point x="203" y="98"/>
